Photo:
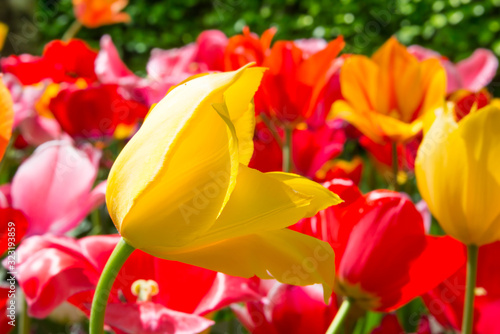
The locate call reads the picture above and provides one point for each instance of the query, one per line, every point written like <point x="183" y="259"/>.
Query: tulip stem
<point x="338" y="321"/>
<point x="73" y="29"/>
<point x="467" y="322"/>
<point x="120" y="254"/>
<point x="395" y="166"/>
<point x="287" y="150"/>
<point x="24" y="326"/>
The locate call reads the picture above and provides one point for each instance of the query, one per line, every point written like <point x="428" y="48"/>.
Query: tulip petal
<point x="145" y="174"/>
<point x="468" y="152"/>
<point x="266" y="201"/>
<point x="6" y="117"/>
<point x="478" y="70"/>
<point x="322" y="197"/>
<point x="288" y="256"/>
<point x="481" y="186"/>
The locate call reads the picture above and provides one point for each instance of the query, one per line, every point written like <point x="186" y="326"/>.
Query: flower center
<point x="144" y="290"/>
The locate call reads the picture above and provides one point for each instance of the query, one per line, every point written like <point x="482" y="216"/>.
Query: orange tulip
<point x="387" y="96"/>
<point x="6" y="117"/>
<point x="96" y="13"/>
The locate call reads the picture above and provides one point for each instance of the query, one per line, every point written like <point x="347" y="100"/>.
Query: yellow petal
<point x="6" y="117"/>
<point x="321" y="197"/>
<point x="288" y="256"/>
<point x="458" y="176"/>
<point x="179" y="161"/>
<point x="361" y="119"/>
<point x="264" y="202"/>
<point x="359" y="82"/>
<point x="4" y="29"/>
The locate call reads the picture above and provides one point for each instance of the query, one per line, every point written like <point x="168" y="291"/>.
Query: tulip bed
<point x="248" y="184"/>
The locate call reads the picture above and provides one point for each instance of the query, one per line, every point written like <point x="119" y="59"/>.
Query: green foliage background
<point x="453" y="27"/>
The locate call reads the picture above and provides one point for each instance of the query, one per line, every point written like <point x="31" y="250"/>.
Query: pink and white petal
<point x="478" y="70"/>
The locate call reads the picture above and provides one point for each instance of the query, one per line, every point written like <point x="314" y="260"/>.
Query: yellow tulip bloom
<point x="386" y="96"/>
<point x="181" y="188"/>
<point x="4" y="30"/>
<point x="458" y="174"/>
<point x="6" y="117"/>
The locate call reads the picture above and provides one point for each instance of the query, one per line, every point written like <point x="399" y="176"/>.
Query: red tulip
<point x="247" y="48"/>
<point x="288" y="309"/>
<point x="445" y="302"/>
<point x="168" y="296"/>
<point x="381" y="154"/>
<point x="312" y="153"/>
<point x="94" y="112"/>
<point x="13" y="227"/>
<point x="383" y="256"/>
<point x="6" y="315"/>
<point x="60" y="62"/>
<point x="294" y="87"/>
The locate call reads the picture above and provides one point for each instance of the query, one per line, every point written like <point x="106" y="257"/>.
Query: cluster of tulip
<point x="240" y="186"/>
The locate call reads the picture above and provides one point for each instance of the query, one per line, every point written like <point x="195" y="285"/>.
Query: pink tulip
<point x="72" y="268"/>
<point x="211" y="45"/>
<point x="165" y="68"/>
<point x="35" y="128"/>
<point x="472" y="73"/>
<point x="288" y="309"/>
<point x="53" y="188"/>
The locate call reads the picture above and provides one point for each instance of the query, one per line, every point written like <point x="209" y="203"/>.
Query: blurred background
<point x="452" y="27"/>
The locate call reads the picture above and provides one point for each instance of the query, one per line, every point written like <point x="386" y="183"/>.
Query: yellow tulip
<point x="387" y="96"/>
<point x="458" y="174"/>
<point x="181" y="188"/>
<point x="4" y="30"/>
<point x="6" y="117"/>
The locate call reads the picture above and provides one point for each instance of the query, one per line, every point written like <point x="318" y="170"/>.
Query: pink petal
<point x="211" y="46"/>
<point x="109" y="68"/>
<point x="52" y="187"/>
<point x="50" y="270"/>
<point x="478" y="70"/>
<point x="310" y="46"/>
<point x="227" y="290"/>
<point x="151" y="318"/>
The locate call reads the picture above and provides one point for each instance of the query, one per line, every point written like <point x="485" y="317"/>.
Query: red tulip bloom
<point x="5" y="314"/>
<point x="247" y="48"/>
<point x="13" y="227"/>
<point x="302" y="81"/>
<point x="383" y="256"/>
<point x="96" y="111"/>
<point x="150" y="295"/>
<point x="382" y="153"/>
<point x="445" y="302"/>
<point x="312" y="150"/>
<point x="60" y="62"/>
<point x="295" y="86"/>
<point x="288" y="309"/>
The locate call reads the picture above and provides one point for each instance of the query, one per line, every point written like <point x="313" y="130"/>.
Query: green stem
<point x="395" y="166"/>
<point x="115" y="262"/>
<point x="272" y="128"/>
<point x="73" y="29"/>
<point x="287" y="150"/>
<point x="24" y="326"/>
<point x="467" y="322"/>
<point x="338" y="321"/>
<point x="95" y="217"/>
